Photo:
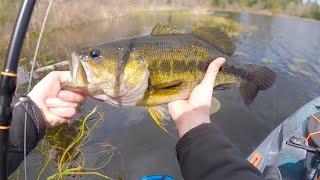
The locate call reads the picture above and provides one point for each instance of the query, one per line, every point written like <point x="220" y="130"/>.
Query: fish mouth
<point x="78" y="76"/>
<point x="73" y="65"/>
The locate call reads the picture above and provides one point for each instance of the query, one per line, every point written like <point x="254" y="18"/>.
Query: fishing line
<point x="38" y="44"/>
<point x="29" y="87"/>
<point x="273" y="105"/>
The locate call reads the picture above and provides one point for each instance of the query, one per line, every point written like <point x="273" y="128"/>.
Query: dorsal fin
<point x="216" y="37"/>
<point x="163" y="29"/>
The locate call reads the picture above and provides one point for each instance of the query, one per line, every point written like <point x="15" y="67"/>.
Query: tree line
<point x="308" y="9"/>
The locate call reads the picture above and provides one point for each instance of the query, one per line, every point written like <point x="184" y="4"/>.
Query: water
<point x="289" y="46"/>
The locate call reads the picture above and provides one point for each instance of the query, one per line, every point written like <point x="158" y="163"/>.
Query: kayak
<point x="292" y="145"/>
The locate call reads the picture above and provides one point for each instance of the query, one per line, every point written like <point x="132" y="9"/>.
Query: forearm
<point x="35" y="129"/>
<point x="205" y="153"/>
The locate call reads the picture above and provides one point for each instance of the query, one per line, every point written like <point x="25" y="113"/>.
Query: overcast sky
<point x="318" y="1"/>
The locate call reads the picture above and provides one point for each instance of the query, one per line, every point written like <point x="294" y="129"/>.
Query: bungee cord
<point x="29" y="85"/>
<point x="8" y="80"/>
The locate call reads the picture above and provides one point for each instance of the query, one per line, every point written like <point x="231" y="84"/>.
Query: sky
<point x="318" y="1"/>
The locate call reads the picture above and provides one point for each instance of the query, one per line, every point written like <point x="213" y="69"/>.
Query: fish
<point x="164" y="66"/>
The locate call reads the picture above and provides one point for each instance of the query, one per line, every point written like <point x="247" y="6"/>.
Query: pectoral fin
<point x="222" y="87"/>
<point x="160" y="116"/>
<point x="167" y="85"/>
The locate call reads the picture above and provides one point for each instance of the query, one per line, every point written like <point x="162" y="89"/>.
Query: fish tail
<point x="258" y="78"/>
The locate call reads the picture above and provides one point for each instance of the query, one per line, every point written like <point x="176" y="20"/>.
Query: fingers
<point x="53" y="120"/>
<point x="63" y="112"/>
<point x="58" y="111"/>
<point x="61" y="108"/>
<point x="56" y="102"/>
<point x="70" y="96"/>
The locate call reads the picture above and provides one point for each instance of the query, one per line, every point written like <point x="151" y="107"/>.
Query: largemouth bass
<point x="161" y="67"/>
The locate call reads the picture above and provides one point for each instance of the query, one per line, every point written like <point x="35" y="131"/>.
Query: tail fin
<point x="259" y="78"/>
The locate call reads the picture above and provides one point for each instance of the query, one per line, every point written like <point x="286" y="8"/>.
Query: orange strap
<point x="314" y="117"/>
<point x="9" y="74"/>
<point x="314" y="133"/>
<point x="2" y="128"/>
<point x="255" y="159"/>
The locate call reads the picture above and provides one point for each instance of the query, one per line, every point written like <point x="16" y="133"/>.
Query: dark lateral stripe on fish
<point x="180" y="66"/>
<point x="236" y="70"/>
<point x="203" y="65"/>
<point x="164" y="66"/>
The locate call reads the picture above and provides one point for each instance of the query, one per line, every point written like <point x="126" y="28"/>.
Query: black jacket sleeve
<point x="205" y="153"/>
<point x="35" y="129"/>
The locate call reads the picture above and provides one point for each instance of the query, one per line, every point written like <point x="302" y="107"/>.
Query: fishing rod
<point x="8" y="79"/>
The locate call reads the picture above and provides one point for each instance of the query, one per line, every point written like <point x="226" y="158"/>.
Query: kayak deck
<point x="274" y="151"/>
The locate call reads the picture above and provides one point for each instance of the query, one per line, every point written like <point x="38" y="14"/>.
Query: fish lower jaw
<point x="127" y="98"/>
<point x="120" y="100"/>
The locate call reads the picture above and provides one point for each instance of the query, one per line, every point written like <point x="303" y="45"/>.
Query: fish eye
<point x="95" y="53"/>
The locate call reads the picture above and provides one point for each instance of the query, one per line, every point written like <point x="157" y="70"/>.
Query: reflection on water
<point x="290" y="47"/>
<point x="286" y="45"/>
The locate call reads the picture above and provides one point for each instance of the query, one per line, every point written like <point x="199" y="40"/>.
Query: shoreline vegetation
<point x="76" y="14"/>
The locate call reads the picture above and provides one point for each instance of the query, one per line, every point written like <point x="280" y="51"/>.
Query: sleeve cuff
<point x="35" y="126"/>
<point x="195" y="133"/>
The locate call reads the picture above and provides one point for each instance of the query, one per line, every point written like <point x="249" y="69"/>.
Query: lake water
<point x="289" y="46"/>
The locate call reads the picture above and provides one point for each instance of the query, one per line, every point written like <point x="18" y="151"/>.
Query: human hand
<point x="190" y="113"/>
<point x="57" y="105"/>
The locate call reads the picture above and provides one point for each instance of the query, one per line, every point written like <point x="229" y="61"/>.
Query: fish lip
<point x="77" y="78"/>
<point x="73" y="65"/>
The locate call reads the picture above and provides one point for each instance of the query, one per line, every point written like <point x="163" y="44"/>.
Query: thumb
<point x="64" y="76"/>
<point x="212" y="72"/>
<point x="201" y="95"/>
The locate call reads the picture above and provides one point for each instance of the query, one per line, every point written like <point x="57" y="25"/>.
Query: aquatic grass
<point x="266" y="60"/>
<point x="240" y="53"/>
<point x="302" y="70"/>
<point x="64" y="145"/>
<point x="188" y="20"/>
<point x="300" y="60"/>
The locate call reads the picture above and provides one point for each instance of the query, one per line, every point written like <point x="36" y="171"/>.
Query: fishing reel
<point x="312" y="160"/>
<point x="310" y="143"/>
<point x="300" y="142"/>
